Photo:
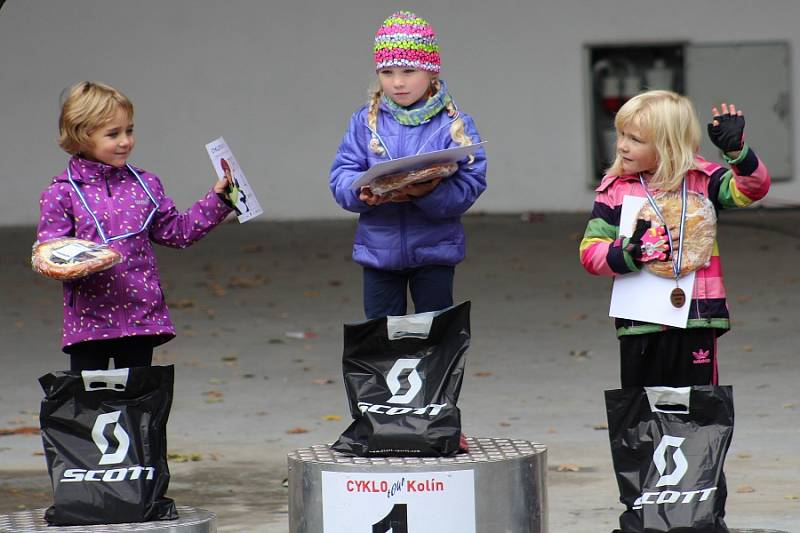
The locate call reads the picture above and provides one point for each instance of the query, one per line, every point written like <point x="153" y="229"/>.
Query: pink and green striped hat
<point x="405" y="40"/>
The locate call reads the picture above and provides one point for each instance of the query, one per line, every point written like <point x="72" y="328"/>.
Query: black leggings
<point x="126" y="351"/>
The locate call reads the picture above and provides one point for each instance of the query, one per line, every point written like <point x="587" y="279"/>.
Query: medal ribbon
<point x="676" y="265"/>
<point x="107" y="240"/>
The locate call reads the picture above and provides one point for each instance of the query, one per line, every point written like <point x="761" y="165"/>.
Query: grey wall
<point x="279" y="81"/>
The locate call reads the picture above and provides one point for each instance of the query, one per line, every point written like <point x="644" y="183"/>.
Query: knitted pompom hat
<point x="405" y="40"/>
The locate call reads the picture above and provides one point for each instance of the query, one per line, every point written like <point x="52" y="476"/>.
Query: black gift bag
<point x="105" y="441"/>
<point x="668" y="447"/>
<point x="403" y="376"/>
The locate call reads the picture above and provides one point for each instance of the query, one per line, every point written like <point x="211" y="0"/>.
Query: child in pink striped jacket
<point x="658" y="137"/>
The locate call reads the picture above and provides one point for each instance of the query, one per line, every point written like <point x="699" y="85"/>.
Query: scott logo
<point x="414" y="381"/>
<point x="132" y="473"/>
<point x="673" y="478"/>
<point x="660" y="460"/>
<point x="102" y="443"/>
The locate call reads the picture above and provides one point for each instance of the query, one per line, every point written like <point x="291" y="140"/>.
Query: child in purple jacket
<point x="412" y="239"/>
<point x="120" y="312"/>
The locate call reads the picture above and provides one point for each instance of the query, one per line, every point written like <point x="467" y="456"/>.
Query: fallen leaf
<point x="213" y="396"/>
<point x="568" y="467"/>
<point x="276" y="341"/>
<point x="322" y="381"/>
<point x="744" y="489"/>
<point x="602" y="425"/>
<point x="332" y="418"/>
<point x="181" y="304"/>
<point x="217" y="289"/>
<point x="184" y="457"/>
<point x="580" y="354"/>
<point x="19" y="324"/>
<point x="241" y="282"/>
<point x="482" y="374"/>
<point x="551" y="429"/>
<point x="793" y="497"/>
<point x="744" y="455"/>
<point x="311" y="293"/>
<point x="504" y="424"/>
<point x="215" y="381"/>
<point x="789" y="405"/>
<point x="295" y="431"/>
<point x="24" y="430"/>
<point x="747" y="347"/>
<point x="230" y="358"/>
<point x="252" y="248"/>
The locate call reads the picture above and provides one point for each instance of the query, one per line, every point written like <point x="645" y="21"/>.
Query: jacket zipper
<point x="403" y="240"/>
<point x="118" y="277"/>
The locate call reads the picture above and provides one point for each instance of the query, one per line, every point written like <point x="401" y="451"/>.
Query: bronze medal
<point x="677" y="297"/>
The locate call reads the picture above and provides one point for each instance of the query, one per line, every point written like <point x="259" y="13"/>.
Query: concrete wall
<point x="279" y="80"/>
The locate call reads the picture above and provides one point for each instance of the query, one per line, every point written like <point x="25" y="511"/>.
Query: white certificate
<point x="414" y="162"/>
<point x="242" y="195"/>
<point x="643" y="295"/>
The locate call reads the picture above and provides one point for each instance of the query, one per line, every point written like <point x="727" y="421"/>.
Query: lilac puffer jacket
<point x="126" y="299"/>
<point x="426" y="230"/>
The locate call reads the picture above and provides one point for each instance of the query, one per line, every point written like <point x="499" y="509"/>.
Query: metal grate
<point x="190" y="520"/>
<point x="481" y="450"/>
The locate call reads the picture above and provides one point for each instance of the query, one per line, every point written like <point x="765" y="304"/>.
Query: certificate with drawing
<point x="239" y="191"/>
<point x="643" y="295"/>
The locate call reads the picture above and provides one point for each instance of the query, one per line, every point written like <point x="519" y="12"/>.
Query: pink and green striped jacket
<point x="602" y="253"/>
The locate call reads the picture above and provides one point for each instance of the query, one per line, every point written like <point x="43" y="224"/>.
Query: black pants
<point x="671" y="358"/>
<point x="126" y="351"/>
<point x="385" y="290"/>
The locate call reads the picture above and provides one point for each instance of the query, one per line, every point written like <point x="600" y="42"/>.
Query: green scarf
<point x="419" y="115"/>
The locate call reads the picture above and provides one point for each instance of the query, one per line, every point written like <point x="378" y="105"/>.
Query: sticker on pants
<point x="415" y="502"/>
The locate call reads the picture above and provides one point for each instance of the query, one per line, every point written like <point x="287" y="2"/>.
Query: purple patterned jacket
<point x="126" y="299"/>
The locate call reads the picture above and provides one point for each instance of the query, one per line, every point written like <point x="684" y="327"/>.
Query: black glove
<point x="728" y="135"/>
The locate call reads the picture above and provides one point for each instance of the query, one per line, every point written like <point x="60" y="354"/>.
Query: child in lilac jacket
<point x="119" y="312"/>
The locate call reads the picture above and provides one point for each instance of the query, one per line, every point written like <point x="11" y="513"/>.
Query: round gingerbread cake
<point x="68" y="258"/>
<point x="700" y="230"/>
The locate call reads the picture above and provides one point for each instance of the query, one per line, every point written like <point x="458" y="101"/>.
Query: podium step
<point x="190" y="520"/>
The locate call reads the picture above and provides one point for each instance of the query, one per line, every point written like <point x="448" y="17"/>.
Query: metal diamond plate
<point x="481" y="450"/>
<point x="190" y="520"/>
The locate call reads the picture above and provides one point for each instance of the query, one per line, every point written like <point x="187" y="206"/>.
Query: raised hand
<point x="726" y="129"/>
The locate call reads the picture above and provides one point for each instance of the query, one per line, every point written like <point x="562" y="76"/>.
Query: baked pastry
<point x="700" y="230"/>
<point x="68" y="258"/>
<point x="383" y="185"/>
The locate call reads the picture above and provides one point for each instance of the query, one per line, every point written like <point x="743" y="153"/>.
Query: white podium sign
<point x="416" y="502"/>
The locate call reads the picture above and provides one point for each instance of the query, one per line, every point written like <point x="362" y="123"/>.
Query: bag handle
<point x="94" y="380"/>
<point x="669" y="399"/>
<point x="414" y="326"/>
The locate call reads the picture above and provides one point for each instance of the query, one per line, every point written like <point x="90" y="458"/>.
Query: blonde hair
<point x="88" y="106"/>
<point x="457" y="132"/>
<point x="669" y="121"/>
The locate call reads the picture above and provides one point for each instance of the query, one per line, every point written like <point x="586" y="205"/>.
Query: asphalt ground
<point x="248" y="390"/>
